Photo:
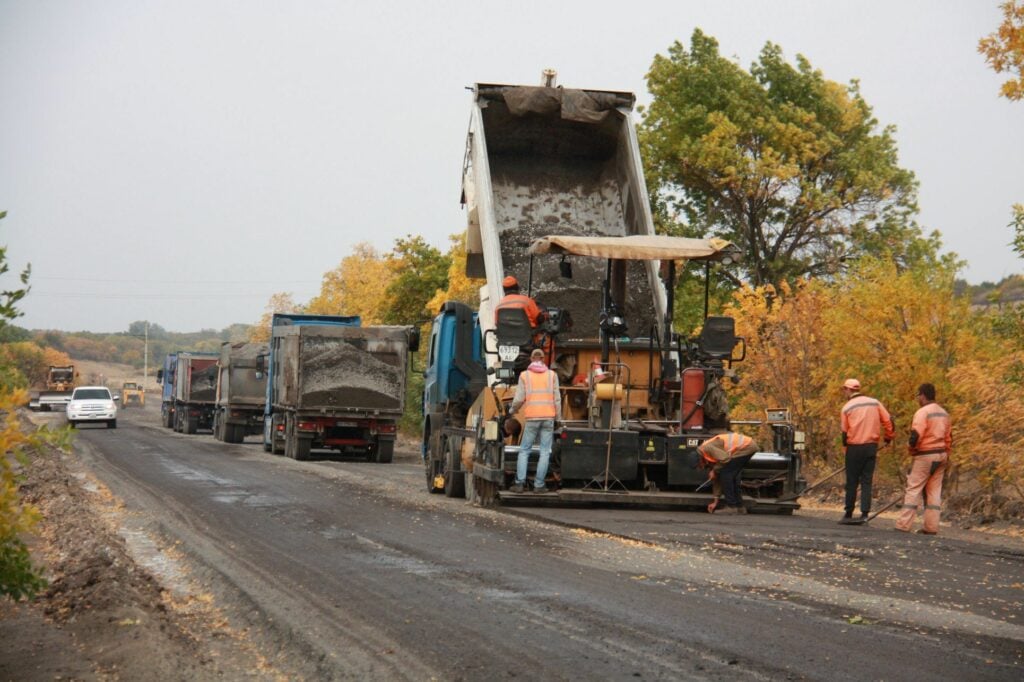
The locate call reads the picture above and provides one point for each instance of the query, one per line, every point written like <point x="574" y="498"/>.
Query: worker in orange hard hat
<point x="864" y="422"/>
<point x="514" y="299"/>
<point x="930" y="442"/>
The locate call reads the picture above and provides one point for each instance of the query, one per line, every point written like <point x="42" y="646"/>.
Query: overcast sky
<point x="181" y="161"/>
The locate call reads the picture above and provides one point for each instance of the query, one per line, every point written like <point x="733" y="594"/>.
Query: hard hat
<point x="852" y="384"/>
<point x="509" y="282"/>
<point x="537" y="354"/>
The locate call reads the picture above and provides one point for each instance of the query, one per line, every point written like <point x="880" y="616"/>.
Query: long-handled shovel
<point x="886" y="507"/>
<point x="793" y="496"/>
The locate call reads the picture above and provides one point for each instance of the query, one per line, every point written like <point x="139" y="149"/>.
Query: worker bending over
<point x="726" y="454"/>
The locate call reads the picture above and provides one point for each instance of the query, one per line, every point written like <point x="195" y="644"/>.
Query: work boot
<point x="847" y="520"/>
<point x="864" y="518"/>
<point x="517" y="488"/>
<point x="542" y="489"/>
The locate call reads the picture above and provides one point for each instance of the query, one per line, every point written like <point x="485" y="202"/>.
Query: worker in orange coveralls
<point x="930" y="442"/>
<point x="862" y="420"/>
<point x="514" y="299"/>
<point x="726" y="454"/>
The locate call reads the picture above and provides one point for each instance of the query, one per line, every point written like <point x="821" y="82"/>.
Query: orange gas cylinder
<point x="693" y="388"/>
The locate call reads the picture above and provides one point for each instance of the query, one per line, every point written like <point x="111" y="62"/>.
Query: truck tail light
<point x="387" y="428"/>
<point x="307" y="426"/>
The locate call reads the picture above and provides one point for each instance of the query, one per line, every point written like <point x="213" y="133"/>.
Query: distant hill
<point x="1007" y="290"/>
<point x="127" y="347"/>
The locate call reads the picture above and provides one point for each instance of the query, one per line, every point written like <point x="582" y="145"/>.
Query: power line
<point x="158" y="296"/>
<point x="35" y="278"/>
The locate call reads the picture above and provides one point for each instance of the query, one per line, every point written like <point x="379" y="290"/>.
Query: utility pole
<point x="145" y="358"/>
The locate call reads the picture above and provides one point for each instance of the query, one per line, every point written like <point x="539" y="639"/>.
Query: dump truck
<point x="60" y="382"/>
<point x="241" y="392"/>
<point x="333" y="384"/>
<point x="132" y="393"/>
<point x="554" y="193"/>
<point x="190" y="391"/>
<point x="165" y="377"/>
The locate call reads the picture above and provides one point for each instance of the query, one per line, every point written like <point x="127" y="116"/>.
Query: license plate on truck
<point x="508" y="353"/>
<point x="346" y="424"/>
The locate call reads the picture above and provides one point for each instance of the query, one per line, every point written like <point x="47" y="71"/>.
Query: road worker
<point x="514" y="299"/>
<point x="930" y="442"/>
<point x="537" y="394"/>
<point x="864" y="422"/>
<point x="726" y="454"/>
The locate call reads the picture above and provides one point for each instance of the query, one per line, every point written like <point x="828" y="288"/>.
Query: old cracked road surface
<point x="353" y="571"/>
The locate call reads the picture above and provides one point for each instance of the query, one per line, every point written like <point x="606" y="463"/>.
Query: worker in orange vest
<point x="726" y="454"/>
<point x="538" y="397"/>
<point x="514" y="299"/>
<point x="863" y="420"/>
<point x="930" y="441"/>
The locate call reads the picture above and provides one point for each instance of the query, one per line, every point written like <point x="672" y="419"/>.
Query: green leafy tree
<point x="1017" y="225"/>
<point x="790" y="166"/>
<point x="18" y="577"/>
<point x="419" y="271"/>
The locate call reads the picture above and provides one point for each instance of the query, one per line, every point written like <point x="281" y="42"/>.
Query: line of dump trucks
<point x="554" y="194"/>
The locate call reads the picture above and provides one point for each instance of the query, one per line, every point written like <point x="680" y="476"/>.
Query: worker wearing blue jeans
<point x="538" y="396"/>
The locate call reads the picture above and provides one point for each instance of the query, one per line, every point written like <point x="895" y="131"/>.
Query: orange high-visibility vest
<point x="730" y="442"/>
<point x="931" y="423"/>
<point x="540" y="395"/>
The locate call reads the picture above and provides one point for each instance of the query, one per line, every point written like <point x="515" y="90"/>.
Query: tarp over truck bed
<point x="355" y="369"/>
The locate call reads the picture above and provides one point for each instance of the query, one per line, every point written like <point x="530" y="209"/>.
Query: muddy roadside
<point x="103" y="616"/>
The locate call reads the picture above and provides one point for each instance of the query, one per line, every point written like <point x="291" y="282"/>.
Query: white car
<point x="92" y="404"/>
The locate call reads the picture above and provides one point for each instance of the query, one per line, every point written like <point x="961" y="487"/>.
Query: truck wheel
<point x="233" y="433"/>
<point x="296" y="448"/>
<point x="454" y="482"/>
<point x="177" y="422"/>
<point x="165" y="419"/>
<point x="112" y="424"/>
<point x="191" y="425"/>
<point x="467" y="486"/>
<point x="218" y="433"/>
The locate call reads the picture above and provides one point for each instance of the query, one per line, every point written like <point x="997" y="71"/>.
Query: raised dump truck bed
<point x="550" y="161"/>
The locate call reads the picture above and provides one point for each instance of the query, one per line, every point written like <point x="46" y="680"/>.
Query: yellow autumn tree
<point x="891" y="329"/>
<point x="988" y="422"/>
<point x="1004" y="49"/>
<point x="460" y="287"/>
<point x="785" y="365"/>
<point x="278" y="303"/>
<point x="894" y="330"/>
<point x="356" y="287"/>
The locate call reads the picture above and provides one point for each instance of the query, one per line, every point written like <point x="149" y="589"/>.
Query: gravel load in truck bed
<point x="336" y="373"/>
<point x="204" y="385"/>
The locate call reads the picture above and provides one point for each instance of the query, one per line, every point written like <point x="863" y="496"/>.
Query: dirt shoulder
<point x="103" y="616"/>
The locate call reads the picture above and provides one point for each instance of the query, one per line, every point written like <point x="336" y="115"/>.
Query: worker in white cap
<point x="863" y="420"/>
